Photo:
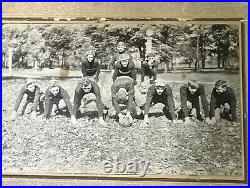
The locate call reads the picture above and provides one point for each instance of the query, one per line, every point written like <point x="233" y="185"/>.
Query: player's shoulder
<point x="84" y="60"/>
<point x="37" y="88"/>
<point x="230" y="90"/>
<point x="96" y="61"/>
<point x="151" y="88"/>
<point x="184" y="87"/>
<point x="144" y="63"/>
<point x="201" y="86"/>
<point x="94" y="83"/>
<point x="156" y="62"/>
<point x="168" y="88"/>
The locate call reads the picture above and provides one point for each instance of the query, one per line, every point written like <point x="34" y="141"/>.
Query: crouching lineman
<point x="124" y="67"/>
<point x="223" y="102"/>
<point x="123" y="92"/>
<point x="149" y="68"/>
<point x="57" y="101"/>
<point x="34" y="100"/>
<point x="84" y="87"/>
<point x="90" y="66"/>
<point x="160" y="92"/>
<point x="190" y="102"/>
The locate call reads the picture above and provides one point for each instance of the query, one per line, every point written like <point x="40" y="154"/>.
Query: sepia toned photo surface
<point x="116" y="98"/>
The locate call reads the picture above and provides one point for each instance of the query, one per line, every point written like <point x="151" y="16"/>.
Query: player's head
<point x="150" y="56"/>
<point x="86" y="84"/>
<point x="122" y="95"/>
<point x="54" y="87"/>
<point x="160" y="86"/>
<point x="193" y="86"/>
<point x="90" y="55"/>
<point x="220" y="86"/>
<point x="120" y="46"/>
<point x="124" y="60"/>
<point x="30" y="85"/>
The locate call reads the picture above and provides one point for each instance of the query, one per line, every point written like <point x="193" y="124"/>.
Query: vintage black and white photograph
<point x="122" y="98"/>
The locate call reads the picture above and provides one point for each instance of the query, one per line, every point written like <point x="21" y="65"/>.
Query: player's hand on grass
<point x="187" y="120"/>
<point x="208" y="121"/>
<point x="129" y="117"/>
<point x="73" y="120"/>
<point x="213" y="121"/>
<point x="176" y="121"/>
<point x="13" y="115"/>
<point x="33" y="115"/>
<point x="146" y="120"/>
<point x="101" y="121"/>
<point x="44" y="118"/>
<point x="120" y="117"/>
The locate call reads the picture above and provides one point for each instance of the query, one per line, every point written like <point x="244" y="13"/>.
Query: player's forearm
<point x="47" y="108"/>
<point x="171" y="107"/>
<point x="233" y="111"/>
<point x="205" y="107"/>
<point x="130" y="102"/>
<point x="36" y="101"/>
<point x="18" y="100"/>
<point x="69" y="105"/>
<point x="100" y="107"/>
<point x="116" y="106"/>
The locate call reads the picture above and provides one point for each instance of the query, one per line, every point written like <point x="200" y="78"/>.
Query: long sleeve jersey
<point x="79" y="93"/>
<point x="116" y="57"/>
<point x="149" y="70"/>
<point x="165" y="98"/>
<point x="51" y="99"/>
<point x="32" y="96"/>
<point x="90" y="68"/>
<point x="220" y="99"/>
<point x="125" y="71"/>
<point x="128" y="84"/>
<point x="185" y="95"/>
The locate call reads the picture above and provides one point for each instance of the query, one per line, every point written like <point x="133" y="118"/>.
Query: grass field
<point x="57" y="146"/>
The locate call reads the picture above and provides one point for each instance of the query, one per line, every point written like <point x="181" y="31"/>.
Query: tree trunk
<point x="218" y="60"/>
<point x="203" y="63"/>
<point x="197" y="52"/>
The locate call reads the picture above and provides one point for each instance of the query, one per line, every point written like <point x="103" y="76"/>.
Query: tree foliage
<point x="53" y="45"/>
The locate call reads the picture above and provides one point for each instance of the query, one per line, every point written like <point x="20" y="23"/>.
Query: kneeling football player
<point x="84" y="87"/>
<point x="123" y="94"/>
<point x="57" y="101"/>
<point x="160" y="92"/>
<point x="223" y="102"/>
<point x="190" y="95"/>
<point x="34" y="100"/>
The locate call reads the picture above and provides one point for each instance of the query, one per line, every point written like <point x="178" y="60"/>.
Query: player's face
<point x="87" y="88"/>
<point x="124" y="63"/>
<point x="220" y="89"/>
<point x="159" y="89"/>
<point x="55" y="91"/>
<point x="192" y="90"/>
<point x="120" y="48"/>
<point x="150" y="59"/>
<point x="90" y="58"/>
<point x="31" y="87"/>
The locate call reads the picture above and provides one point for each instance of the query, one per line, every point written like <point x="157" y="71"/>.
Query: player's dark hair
<point x="193" y="84"/>
<point x="120" y="42"/>
<point x="222" y="83"/>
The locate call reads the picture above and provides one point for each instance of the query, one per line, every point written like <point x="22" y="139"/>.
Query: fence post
<point x="10" y="61"/>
